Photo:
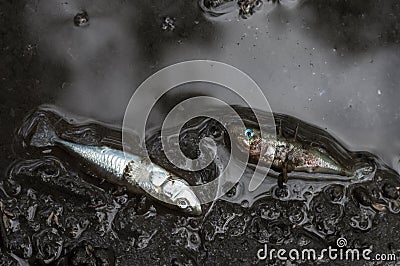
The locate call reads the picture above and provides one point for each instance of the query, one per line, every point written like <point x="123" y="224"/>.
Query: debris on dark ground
<point x="81" y="19"/>
<point x="248" y="7"/>
<point x="168" y="24"/>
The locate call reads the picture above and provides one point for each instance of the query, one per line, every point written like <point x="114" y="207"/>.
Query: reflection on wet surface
<point x="329" y="63"/>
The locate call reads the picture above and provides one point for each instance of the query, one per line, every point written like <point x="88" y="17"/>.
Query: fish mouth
<point x="185" y="198"/>
<point x="194" y="207"/>
<point x="196" y="210"/>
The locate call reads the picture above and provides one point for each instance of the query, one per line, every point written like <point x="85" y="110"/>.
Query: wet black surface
<point x="329" y="63"/>
<point x="55" y="209"/>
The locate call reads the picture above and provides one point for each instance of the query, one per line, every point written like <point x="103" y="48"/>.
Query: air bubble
<point x="245" y="204"/>
<point x="334" y="193"/>
<point x="281" y="193"/>
<point x="234" y="191"/>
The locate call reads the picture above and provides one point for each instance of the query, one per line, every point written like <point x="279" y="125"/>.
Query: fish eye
<point x="249" y="133"/>
<point x="182" y="203"/>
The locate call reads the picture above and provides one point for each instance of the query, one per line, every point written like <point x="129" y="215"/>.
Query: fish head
<point x="183" y="197"/>
<point x="247" y="140"/>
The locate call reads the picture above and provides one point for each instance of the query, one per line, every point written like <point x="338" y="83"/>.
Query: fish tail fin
<point x="44" y="135"/>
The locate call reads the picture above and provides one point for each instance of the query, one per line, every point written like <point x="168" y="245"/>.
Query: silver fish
<point x="137" y="174"/>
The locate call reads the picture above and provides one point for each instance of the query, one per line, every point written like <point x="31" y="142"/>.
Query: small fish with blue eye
<point x="285" y="155"/>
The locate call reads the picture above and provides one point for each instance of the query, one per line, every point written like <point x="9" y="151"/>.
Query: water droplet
<point x="233" y="192"/>
<point x="168" y="24"/>
<point x="216" y="132"/>
<point x="362" y="221"/>
<point x="195" y="238"/>
<point x="245" y="204"/>
<point x="296" y="214"/>
<point x="281" y="193"/>
<point x="334" y="193"/>
<point x="279" y="233"/>
<point x="49" y="244"/>
<point x="121" y="200"/>
<point x="361" y="195"/>
<point x="237" y="226"/>
<point x="394" y="207"/>
<point x="390" y="191"/>
<point x="81" y="19"/>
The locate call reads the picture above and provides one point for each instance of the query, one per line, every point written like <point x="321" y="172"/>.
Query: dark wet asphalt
<point x="330" y="63"/>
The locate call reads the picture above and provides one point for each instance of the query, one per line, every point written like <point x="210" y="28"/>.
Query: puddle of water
<point x="330" y="64"/>
<point x="63" y="192"/>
